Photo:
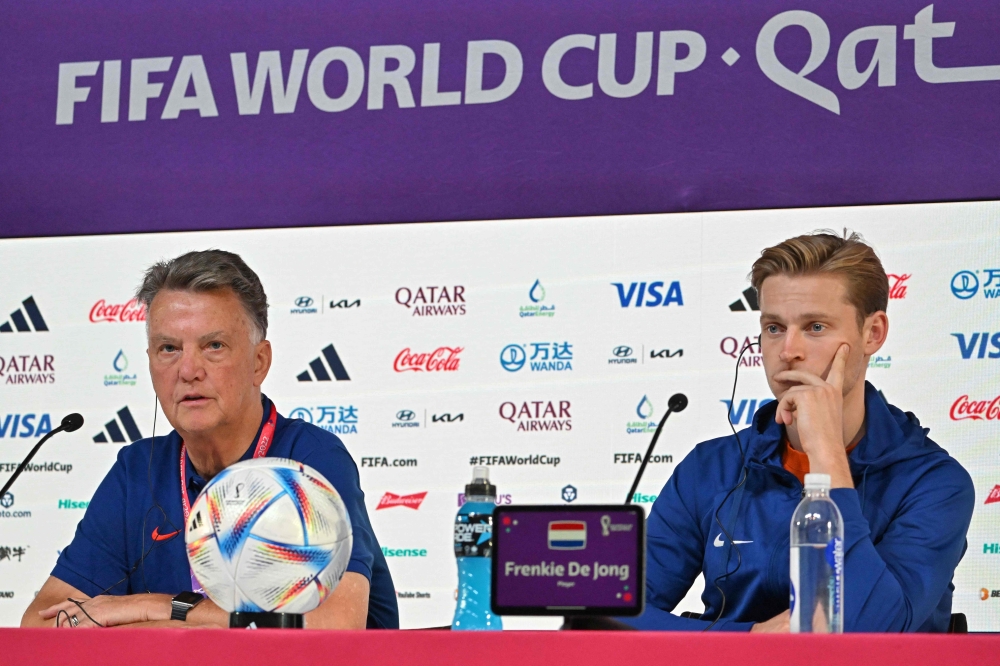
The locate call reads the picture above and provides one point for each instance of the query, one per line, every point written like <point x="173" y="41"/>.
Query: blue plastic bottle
<point x="473" y="552"/>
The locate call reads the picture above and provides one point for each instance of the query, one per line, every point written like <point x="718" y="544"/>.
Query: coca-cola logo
<point x="412" y="501"/>
<point x="133" y="310"/>
<point x="897" y="284"/>
<point x="442" y="359"/>
<point x="977" y="410"/>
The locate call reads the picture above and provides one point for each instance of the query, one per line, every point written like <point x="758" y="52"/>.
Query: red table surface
<point x="172" y="647"/>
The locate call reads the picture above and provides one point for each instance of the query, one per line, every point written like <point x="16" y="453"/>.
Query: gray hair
<point x="209" y="270"/>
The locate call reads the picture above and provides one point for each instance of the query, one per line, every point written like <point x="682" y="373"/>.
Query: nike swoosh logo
<point x="718" y="543"/>
<point x="163" y="537"/>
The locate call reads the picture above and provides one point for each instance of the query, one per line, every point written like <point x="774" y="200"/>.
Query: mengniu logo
<point x="538" y="415"/>
<point x="406" y="418"/>
<point x="965" y="284"/>
<point x="442" y="359"/>
<point x="338" y="419"/>
<point x="31" y="425"/>
<point x="11" y="553"/>
<point x="432" y="301"/>
<point x="634" y="294"/>
<point x="412" y="501"/>
<point x="113" y="429"/>
<point x="130" y="311"/>
<point x="545" y="357"/>
<point x="976" y="410"/>
<point x="644" y="410"/>
<point x="119" y="377"/>
<point x="20" y="323"/>
<point x="333" y="362"/>
<point x="748" y="302"/>
<point x="736" y="413"/>
<point x="732" y="347"/>
<point x="537" y="295"/>
<point x="994" y="496"/>
<point x="28" y="369"/>
<point x="897" y="284"/>
<point x="968" y="346"/>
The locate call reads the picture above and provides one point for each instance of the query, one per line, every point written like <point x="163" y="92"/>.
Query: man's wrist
<point x="154" y="606"/>
<point x="835" y="465"/>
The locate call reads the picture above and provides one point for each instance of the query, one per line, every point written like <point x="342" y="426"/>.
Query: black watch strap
<point x="182" y="604"/>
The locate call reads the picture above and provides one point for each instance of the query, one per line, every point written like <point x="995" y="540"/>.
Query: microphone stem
<point x="645" y="459"/>
<point x="24" y="463"/>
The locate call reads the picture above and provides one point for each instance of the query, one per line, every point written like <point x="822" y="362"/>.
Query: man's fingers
<point x="836" y="375"/>
<point x="800" y="376"/>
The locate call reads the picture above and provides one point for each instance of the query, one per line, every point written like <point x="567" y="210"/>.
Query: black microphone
<point x="677" y="403"/>
<point x="69" y="423"/>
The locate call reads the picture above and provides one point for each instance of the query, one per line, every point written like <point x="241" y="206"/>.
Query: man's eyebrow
<point x="210" y="336"/>
<point x="805" y="316"/>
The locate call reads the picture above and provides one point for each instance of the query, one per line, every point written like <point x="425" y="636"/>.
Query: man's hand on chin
<point x="779" y="624"/>
<point x="815" y="407"/>
<point x="110" y="611"/>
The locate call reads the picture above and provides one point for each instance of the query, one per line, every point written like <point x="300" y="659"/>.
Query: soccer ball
<point x="268" y="535"/>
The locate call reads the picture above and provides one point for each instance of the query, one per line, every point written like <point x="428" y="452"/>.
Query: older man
<point x="208" y="356"/>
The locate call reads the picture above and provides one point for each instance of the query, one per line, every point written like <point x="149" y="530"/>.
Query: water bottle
<point x="473" y="551"/>
<point x="817" y="561"/>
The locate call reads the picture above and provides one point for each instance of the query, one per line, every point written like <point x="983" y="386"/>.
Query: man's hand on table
<point x="779" y="624"/>
<point x="110" y="611"/>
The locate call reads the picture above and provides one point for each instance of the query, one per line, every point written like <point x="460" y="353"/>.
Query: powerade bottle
<point x="473" y="551"/>
<point x="817" y="561"/>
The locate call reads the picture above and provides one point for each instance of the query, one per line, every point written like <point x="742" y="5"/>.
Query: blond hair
<point x="825" y="253"/>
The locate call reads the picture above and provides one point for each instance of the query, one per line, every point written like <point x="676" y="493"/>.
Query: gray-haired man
<point x="208" y="356"/>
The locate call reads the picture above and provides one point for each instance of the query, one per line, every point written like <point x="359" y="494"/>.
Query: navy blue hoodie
<point x="905" y="523"/>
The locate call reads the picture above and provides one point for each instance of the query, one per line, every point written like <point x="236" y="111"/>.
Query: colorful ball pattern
<point x="269" y="535"/>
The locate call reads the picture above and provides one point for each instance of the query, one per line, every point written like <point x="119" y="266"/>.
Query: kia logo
<point x="622" y="351"/>
<point x="405" y="415"/>
<point x="303" y="302"/>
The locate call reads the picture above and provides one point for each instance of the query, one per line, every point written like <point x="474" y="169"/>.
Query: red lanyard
<point x="263" y="444"/>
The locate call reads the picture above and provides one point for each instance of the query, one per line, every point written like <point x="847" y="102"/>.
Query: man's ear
<point x="875" y="331"/>
<point x="261" y="362"/>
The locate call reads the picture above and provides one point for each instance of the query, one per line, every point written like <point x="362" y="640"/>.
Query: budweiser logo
<point x="131" y="311"/>
<point x="390" y="500"/>
<point x="897" y="284"/>
<point x="442" y="359"/>
<point x="994" y="496"/>
<point x="977" y="410"/>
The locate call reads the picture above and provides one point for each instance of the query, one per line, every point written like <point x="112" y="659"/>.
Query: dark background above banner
<point x="118" y="117"/>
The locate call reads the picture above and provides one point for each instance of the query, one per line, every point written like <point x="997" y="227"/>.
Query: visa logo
<point x="652" y="293"/>
<point x="736" y="412"/>
<point x="968" y="347"/>
<point x="9" y="425"/>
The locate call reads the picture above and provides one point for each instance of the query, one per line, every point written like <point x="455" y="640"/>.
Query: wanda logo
<point x="977" y="410"/>
<point x="442" y="359"/>
<point x="130" y="311"/>
<point x="390" y="500"/>
<point x="897" y="284"/>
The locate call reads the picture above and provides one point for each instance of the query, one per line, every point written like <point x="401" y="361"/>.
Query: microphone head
<point x="677" y="402"/>
<point x="74" y="421"/>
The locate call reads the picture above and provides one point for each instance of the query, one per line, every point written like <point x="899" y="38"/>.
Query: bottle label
<point x="474" y="535"/>
<point x="835" y="559"/>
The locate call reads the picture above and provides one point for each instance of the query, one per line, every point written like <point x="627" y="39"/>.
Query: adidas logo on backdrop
<point x="114" y="430"/>
<point x="748" y="302"/>
<point x="20" y="323"/>
<point x="321" y="372"/>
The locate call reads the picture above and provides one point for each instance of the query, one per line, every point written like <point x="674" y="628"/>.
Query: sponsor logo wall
<point x="459" y="360"/>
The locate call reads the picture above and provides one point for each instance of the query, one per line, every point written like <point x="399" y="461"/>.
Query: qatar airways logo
<point x="442" y="359"/>
<point x="977" y="410"/>
<point x="432" y="301"/>
<point x="102" y="311"/>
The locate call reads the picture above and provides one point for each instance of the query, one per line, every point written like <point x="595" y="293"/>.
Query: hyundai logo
<point x="622" y="351"/>
<point x="964" y="285"/>
<point x="405" y="415"/>
<point x="303" y="302"/>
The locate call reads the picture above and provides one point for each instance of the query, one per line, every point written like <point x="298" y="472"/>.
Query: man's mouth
<point x="193" y="399"/>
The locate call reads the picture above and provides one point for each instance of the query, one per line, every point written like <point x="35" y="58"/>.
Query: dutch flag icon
<point x="567" y="535"/>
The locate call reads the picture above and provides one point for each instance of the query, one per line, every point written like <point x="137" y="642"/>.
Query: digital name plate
<point x="561" y="560"/>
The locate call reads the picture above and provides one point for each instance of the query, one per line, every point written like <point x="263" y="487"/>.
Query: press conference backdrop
<point x="545" y="349"/>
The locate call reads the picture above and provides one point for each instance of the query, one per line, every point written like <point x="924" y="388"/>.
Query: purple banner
<point x="123" y="117"/>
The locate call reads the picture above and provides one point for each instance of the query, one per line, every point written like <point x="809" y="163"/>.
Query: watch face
<point x="189" y="598"/>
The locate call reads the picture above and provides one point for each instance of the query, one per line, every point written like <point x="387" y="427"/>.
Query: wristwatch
<point x="182" y="604"/>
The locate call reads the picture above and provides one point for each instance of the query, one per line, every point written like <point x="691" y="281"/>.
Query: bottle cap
<point x="818" y="481"/>
<point x="481" y="483"/>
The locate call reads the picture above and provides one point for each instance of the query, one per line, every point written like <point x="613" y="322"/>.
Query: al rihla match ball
<point x="268" y="535"/>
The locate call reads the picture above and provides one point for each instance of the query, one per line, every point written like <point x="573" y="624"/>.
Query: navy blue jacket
<point x="904" y="528"/>
<point x="113" y="551"/>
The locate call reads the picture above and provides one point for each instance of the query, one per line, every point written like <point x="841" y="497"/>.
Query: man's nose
<point x="191" y="367"/>
<point x="792" y="347"/>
